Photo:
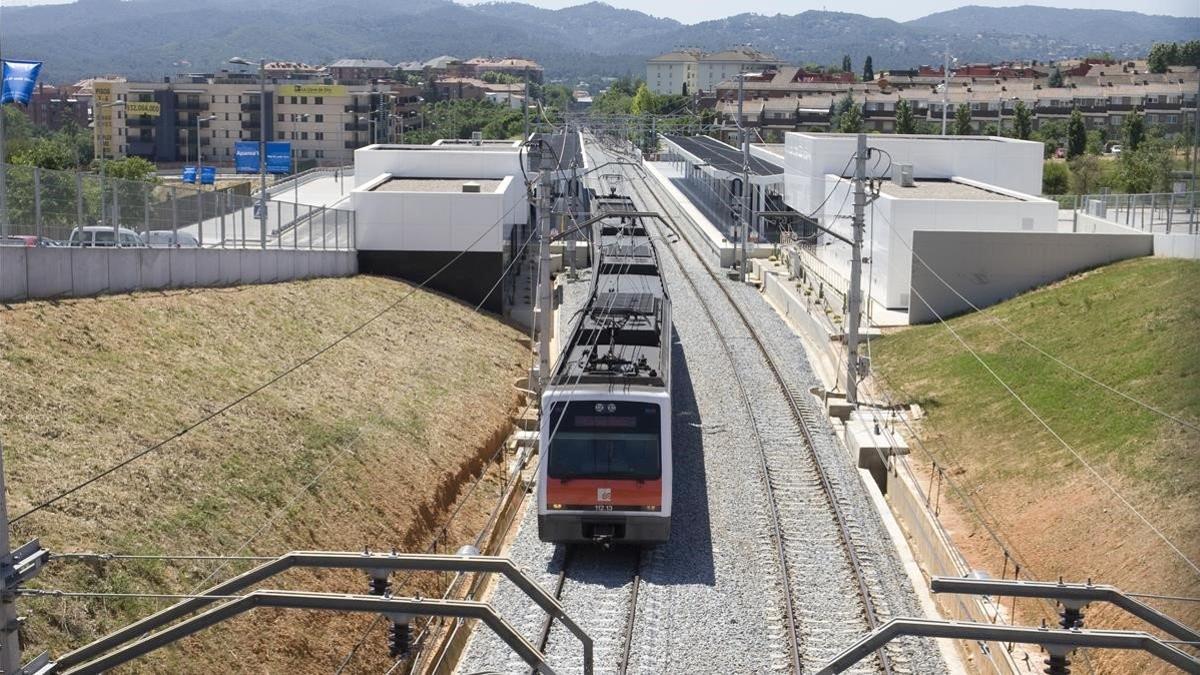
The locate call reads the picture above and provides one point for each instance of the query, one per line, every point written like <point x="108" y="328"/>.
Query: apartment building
<point x="516" y="67"/>
<point x="788" y="100"/>
<point x="51" y="107"/>
<point x="690" y="71"/>
<point x="176" y="120"/>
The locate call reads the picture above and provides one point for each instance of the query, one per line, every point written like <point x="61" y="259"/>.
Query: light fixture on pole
<point x="261" y="210"/>
<point x="199" y="153"/>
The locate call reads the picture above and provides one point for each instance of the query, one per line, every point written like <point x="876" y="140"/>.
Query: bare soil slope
<point x="366" y="446"/>
<point x="1133" y="325"/>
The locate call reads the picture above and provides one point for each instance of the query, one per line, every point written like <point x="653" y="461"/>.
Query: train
<point x="605" y="431"/>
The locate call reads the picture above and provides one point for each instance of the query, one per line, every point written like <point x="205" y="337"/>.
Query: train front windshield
<point x="605" y="439"/>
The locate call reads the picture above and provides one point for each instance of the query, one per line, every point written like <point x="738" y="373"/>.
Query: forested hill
<point x="152" y="38"/>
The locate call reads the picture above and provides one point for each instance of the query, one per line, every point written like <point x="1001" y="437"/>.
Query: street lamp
<point x="262" y="144"/>
<point x="370" y="128"/>
<point x="100" y="148"/>
<point x="199" y="152"/>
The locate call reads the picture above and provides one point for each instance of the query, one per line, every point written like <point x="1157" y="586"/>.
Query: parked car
<point x="171" y="239"/>
<point x="1115" y="149"/>
<point x="103" y="236"/>
<point x="28" y="241"/>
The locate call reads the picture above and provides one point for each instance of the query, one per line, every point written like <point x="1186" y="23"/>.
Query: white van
<point x="171" y="239"/>
<point x="98" y="236"/>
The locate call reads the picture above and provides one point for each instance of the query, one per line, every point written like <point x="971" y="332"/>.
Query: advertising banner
<point x="279" y="157"/>
<point x="19" y="78"/>
<point x="150" y="108"/>
<point x="312" y="90"/>
<point x="245" y="156"/>
<point x="189" y="174"/>
<point x="208" y="175"/>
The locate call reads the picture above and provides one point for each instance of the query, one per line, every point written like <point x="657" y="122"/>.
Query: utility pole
<point x="745" y="174"/>
<point x="855" y="299"/>
<point x="945" y="86"/>
<point x="545" y="301"/>
<point x="525" y="107"/>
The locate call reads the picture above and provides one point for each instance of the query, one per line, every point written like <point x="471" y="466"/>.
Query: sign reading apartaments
<point x="279" y="157"/>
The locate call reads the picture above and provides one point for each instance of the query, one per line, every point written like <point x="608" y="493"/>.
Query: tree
<point x="643" y="101"/>
<point x="905" y="123"/>
<point x="847" y="66"/>
<point x="962" y="120"/>
<point x="1056" y="178"/>
<point x="868" y="70"/>
<point x="850" y="122"/>
<point x="1076" y="135"/>
<point x="1086" y="174"/>
<point x="1157" y="60"/>
<point x="1145" y="169"/>
<point x="1053" y="133"/>
<point x="1133" y="130"/>
<point x="1095" y="142"/>
<point x="1022" y="121"/>
<point x="1056" y="78"/>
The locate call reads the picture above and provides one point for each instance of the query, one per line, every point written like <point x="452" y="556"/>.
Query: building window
<point x="319" y="100"/>
<point x="280" y="117"/>
<point x="319" y="154"/>
<point x="294" y="100"/>
<point x="226" y="117"/>
<point x="304" y="154"/>
<point x="227" y="98"/>
<point x="304" y="135"/>
<point x="319" y="119"/>
<point x="318" y="135"/>
<point x="303" y="100"/>
<point x="214" y="99"/>
<point x="226" y="133"/>
<point x="280" y="100"/>
<point x="281" y="136"/>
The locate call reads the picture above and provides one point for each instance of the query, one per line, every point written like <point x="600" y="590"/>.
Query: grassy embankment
<point x="364" y="447"/>
<point x="1134" y="325"/>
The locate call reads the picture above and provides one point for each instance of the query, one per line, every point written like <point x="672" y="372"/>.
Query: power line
<point x="288" y="371"/>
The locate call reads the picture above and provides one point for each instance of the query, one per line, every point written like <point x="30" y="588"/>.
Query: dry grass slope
<point x="396" y="417"/>
<point x="1133" y="325"/>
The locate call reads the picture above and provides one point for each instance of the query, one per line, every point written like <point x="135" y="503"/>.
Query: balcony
<point x="352" y="126"/>
<point x="356" y="108"/>
<point x="252" y="106"/>
<point x="139" y="148"/>
<point x="140" y="121"/>
<point x="1155" y="105"/>
<point x="184" y="105"/>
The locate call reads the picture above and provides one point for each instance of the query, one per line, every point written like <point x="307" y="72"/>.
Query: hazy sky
<point x="691" y="11"/>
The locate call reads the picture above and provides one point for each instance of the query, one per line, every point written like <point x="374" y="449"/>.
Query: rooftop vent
<point x="471" y="187"/>
<point x="902" y="175"/>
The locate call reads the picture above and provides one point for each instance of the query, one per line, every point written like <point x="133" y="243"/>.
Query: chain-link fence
<point x="60" y="208"/>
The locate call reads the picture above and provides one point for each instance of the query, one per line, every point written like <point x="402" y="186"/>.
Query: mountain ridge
<point x="148" y="38"/>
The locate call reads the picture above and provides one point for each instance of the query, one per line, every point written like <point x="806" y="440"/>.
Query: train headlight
<point x="599" y="407"/>
<point x="612" y="407"/>
<point x="556" y="506"/>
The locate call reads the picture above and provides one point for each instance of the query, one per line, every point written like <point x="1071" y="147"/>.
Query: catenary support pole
<point x="854" y="309"/>
<point x="745" y="203"/>
<point x="545" y="301"/>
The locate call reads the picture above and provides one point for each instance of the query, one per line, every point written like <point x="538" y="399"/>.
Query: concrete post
<point x="174" y="213"/>
<point x="545" y="295"/>
<point x="855" y="304"/>
<point x="37" y="200"/>
<point x="78" y="200"/>
<point x="222" y="205"/>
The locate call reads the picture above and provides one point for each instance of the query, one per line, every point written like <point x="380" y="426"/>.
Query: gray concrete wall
<point x="42" y="273"/>
<point x="987" y="267"/>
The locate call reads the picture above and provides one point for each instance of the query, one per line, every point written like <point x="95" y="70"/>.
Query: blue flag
<point x="19" y="79"/>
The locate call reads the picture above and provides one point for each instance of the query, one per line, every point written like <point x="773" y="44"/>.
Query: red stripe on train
<point x="602" y="491"/>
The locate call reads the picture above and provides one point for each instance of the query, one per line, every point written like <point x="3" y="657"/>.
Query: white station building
<point x="925" y="183"/>
<point x="421" y="207"/>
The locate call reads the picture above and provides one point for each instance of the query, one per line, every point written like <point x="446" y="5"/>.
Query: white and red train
<point x="605" y="474"/>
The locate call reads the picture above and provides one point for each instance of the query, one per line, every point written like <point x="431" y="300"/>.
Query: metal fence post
<point x="146" y="211"/>
<point x="353" y="229"/>
<point x="242" y="211"/>
<point x="1170" y="211"/>
<point x="279" y="225"/>
<point x="337" y="224"/>
<point x="324" y="244"/>
<point x="222" y="203"/>
<point x="37" y="201"/>
<point x="78" y="200"/>
<point x="200" y="216"/>
<point x="116" y="212"/>
<point x="174" y="214"/>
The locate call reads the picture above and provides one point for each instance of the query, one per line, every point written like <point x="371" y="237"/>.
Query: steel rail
<point x="797" y="413"/>
<point x="776" y="529"/>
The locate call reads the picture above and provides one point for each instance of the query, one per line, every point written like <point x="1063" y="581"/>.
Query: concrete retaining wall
<point x="42" y="273"/>
<point x="1177" y="246"/>
<point x="987" y="267"/>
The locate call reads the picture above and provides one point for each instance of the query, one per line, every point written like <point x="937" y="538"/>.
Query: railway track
<point x="779" y="481"/>
<point x="584" y="563"/>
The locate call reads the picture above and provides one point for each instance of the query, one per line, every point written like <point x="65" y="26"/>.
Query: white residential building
<point x="715" y="68"/>
<point x="674" y="72"/>
<point x="973" y="183"/>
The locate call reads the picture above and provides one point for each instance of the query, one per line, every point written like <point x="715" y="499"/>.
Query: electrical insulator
<point x="398" y="638"/>
<point x="380" y="585"/>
